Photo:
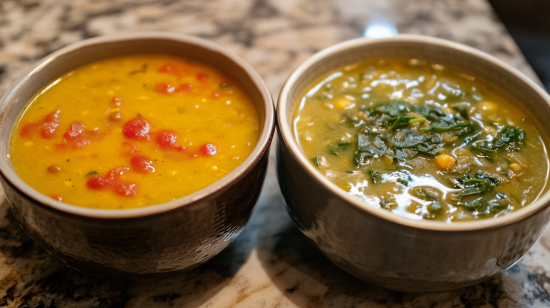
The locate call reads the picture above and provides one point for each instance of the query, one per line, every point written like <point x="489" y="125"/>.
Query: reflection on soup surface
<point x="133" y="131"/>
<point x="421" y="140"/>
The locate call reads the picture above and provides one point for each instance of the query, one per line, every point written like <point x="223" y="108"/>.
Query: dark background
<point x="528" y="21"/>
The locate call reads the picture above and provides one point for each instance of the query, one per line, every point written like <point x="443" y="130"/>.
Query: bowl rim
<point x="284" y="128"/>
<point x="264" y="138"/>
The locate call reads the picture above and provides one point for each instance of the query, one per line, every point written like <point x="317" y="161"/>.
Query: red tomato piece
<point x="113" y="175"/>
<point x="80" y="142"/>
<point x="28" y="129"/>
<point x="167" y="140"/>
<point x="49" y="125"/>
<point x="117" y="101"/>
<point x="164" y="88"/>
<point x="137" y="128"/>
<point x="202" y="77"/>
<point x="56" y="197"/>
<point x="97" y="182"/>
<point x="184" y="87"/>
<point x="208" y="149"/>
<point x="76" y="129"/>
<point x="172" y="70"/>
<point x="126" y="189"/>
<point x="143" y="164"/>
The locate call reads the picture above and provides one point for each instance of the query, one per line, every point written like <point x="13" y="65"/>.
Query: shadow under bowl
<point x="153" y="241"/>
<point x="381" y="247"/>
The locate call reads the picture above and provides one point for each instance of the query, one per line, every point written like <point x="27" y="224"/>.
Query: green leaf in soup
<point x="371" y="144"/>
<point x="484" y="150"/>
<point x="407" y="138"/>
<point x="340" y="147"/>
<point x="403" y="121"/>
<point x="509" y="136"/>
<point x="393" y="108"/>
<point x="462" y="111"/>
<point x="361" y="158"/>
<point x="317" y="160"/>
<point x="405" y="154"/>
<point x="448" y="128"/>
<point x="375" y="176"/>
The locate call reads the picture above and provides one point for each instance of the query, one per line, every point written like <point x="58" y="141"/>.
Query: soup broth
<point x="422" y="140"/>
<point x="133" y="131"/>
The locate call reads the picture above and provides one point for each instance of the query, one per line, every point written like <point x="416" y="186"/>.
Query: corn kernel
<point x="515" y="167"/>
<point x="344" y="103"/>
<point x="445" y="162"/>
<point x="450" y="139"/>
<point x="29" y="144"/>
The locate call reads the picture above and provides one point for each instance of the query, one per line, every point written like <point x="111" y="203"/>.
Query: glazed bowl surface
<point x="381" y="247"/>
<point x="147" y="242"/>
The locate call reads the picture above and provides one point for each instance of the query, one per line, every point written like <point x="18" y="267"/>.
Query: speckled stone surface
<point x="270" y="264"/>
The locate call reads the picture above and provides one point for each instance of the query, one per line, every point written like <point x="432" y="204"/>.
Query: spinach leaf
<point x="484" y="205"/>
<point x="509" y="136"/>
<point x="462" y="110"/>
<point x="434" y="209"/>
<point x="368" y="147"/>
<point x="340" y="147"/>
<point x="394" y="108"/>
<point x="398" y="122"/>
<point x="481" y="183"/>
<point x="375" y="176"/>
<point x="447" y="128"/>
<point x="485" y="151"/>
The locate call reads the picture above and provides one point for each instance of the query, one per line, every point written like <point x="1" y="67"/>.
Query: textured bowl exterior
<point x="149" y="242"/>
<point x="377" y="245"/>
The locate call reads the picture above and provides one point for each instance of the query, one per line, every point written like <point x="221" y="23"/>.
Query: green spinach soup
<point x="421" y="140"/>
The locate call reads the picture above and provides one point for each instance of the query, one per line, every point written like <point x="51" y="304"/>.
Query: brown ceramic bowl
<point x="146" y="242"/>
<point x="377" y="245"/>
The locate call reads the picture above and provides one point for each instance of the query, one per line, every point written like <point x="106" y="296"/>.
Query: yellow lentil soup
<point x="421" y="140"/>
<point x="133" y="131"/>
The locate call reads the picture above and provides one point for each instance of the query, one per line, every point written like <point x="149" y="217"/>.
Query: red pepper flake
<point x="142" y="164"/>
<point x="117" y="101"/>
<point x="202" y="77"/>
<point x="56" y="197"/>
<point x="137" y="128"/>
<point x="167" y="140"/>
<point x="172" y="70"/>
<point x="208" y="149"/>
<point x="126" y="189"/>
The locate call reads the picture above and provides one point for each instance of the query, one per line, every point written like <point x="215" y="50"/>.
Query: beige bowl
<point x="375" y="244"/>
<point x="147" y="242"/>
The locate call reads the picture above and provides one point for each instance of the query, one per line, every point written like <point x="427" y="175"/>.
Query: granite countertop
<point x="270" y="264"/>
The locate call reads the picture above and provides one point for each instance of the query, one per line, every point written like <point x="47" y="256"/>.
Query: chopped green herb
<point x="447" y="128"/>
<point x="375" y="176"/>
<point x="91" y="173"/>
